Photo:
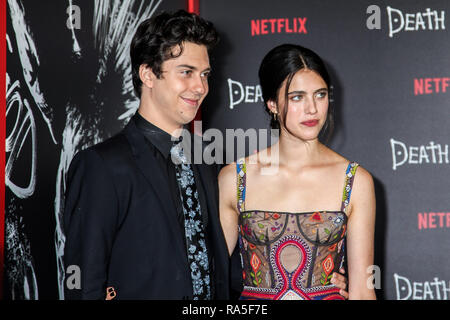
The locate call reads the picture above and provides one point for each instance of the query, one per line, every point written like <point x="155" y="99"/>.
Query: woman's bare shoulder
<point x="363" y="178"/>
<point x="228" y="172"/>
<point x="362" y="175"/>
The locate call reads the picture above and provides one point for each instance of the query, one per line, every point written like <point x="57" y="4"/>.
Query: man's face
<point x="183" y="85"/>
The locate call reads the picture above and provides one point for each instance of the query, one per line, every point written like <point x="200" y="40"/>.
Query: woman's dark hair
<point x="155" y="38"/>
<point x="282" y="63"/>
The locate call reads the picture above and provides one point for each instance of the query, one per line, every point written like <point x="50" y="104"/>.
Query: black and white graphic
<point x="68" y="87"/>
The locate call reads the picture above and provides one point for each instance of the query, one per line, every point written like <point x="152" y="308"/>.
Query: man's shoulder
<point x="109" y="158"/>
<point x="112" y="149"/>
<point x="112" y="145"/>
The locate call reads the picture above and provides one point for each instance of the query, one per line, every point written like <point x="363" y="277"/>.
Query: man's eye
<point x="186" y="72"/>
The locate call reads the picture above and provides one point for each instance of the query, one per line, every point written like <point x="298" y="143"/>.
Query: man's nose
<point x="200" y="85"/>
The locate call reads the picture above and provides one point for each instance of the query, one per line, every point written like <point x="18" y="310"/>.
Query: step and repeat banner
<point x="390" y="67"/>
<point x="68" y="86"/>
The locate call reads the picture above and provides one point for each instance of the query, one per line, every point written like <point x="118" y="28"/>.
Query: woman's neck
<point x="294" y="152"/>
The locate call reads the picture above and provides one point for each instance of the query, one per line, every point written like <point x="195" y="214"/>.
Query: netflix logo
<point x="433" y="220"/>
<point x="278" y="25"/>
<point x="430" y="85"/>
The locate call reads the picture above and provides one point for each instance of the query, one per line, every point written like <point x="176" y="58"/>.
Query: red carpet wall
<point x="390" y="69"/>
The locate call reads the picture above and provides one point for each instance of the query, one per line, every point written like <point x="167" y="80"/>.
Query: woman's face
<point x="307" y="105"/>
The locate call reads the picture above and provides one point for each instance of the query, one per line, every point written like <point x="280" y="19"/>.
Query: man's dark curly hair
<point x="155" y="37"/>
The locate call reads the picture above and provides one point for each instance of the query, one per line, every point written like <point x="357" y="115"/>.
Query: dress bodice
<point x="286" y="255"/>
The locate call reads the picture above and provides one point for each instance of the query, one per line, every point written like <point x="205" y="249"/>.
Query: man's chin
<point x="184" y="122"/>
<point x="188" y="117"/>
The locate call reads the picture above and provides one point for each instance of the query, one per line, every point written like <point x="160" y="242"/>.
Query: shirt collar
<point x="157" y="137"/>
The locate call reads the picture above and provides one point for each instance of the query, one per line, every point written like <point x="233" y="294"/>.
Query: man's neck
<point x="158" y="121"/>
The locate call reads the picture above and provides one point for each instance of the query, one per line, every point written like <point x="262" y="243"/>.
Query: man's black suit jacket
<point x="121" y="226"/>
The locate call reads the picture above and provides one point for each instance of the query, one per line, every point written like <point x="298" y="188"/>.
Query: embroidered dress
<point x="291" y="256"/>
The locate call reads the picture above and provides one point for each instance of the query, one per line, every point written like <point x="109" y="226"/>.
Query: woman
<point x="292" y="224"/>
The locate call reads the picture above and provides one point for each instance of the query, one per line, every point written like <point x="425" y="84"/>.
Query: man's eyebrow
<point x="191" y="67"/>
<point x="303" y="92"/>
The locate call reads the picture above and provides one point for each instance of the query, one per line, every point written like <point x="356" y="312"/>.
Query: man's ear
<point x="146" y="75"/>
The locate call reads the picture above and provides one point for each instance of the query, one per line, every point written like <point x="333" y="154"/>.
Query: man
<point x="141" y="221"/>
<point x="126" y="204"/>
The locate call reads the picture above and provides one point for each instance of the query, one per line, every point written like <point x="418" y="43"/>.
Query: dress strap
<point x="349" y="177"/>
<point x="241" y="180"/>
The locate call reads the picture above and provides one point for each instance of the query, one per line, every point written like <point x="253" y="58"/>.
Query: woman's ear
<point x="272" y="105"/>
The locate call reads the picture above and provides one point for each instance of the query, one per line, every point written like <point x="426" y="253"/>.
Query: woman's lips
<point x="310" y="123"/>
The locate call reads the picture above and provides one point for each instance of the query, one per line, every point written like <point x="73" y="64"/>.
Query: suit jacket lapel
<point x="149" y="167"/>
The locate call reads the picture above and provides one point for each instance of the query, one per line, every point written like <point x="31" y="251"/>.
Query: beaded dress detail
<point x="291" y="256"/>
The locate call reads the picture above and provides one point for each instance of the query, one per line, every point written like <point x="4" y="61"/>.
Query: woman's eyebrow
<point x="303" y="92"/>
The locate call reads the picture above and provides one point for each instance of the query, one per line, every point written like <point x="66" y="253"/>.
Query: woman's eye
<point x="186" y="72"/>
<point x="321" y="95"/>
<point x="296" y="98"/>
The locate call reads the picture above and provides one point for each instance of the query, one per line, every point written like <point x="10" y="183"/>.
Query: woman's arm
<point x="227" y="205"/>
<point x="360" y="237"/>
